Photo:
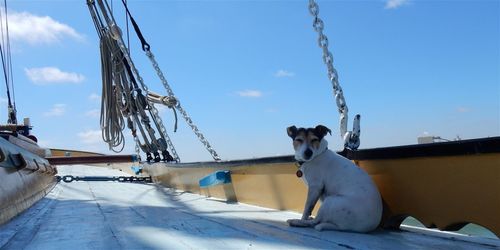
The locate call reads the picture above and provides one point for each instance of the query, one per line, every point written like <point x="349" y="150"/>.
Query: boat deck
<point x="114" y="215"/>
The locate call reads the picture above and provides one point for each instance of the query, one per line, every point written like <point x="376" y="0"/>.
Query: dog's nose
<point x="308" y="153"/>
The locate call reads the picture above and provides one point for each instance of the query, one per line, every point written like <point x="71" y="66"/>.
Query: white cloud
<point x="33" y="29"/>
<point x="394" y="4"/>
<point x="284" y="73"/>
<point x="94" y="97"/>
<point x="57" y="110"/>
<point x="250" y="93"/>
<point x="90" y="136"/>
<point x="93" y="113"/>
<point x="52" y="75"/>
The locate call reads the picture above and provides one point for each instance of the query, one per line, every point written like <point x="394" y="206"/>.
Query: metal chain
<point x="115" y="30"/>
<point x="154" y="112"/>
<point x="351" y="138"/>
<point x="188" y="119"/>
<point x="164" y="132"/>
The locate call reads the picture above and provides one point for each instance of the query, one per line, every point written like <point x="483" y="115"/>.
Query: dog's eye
<point x="314" y="140"/>
<point x="299" y="140"/>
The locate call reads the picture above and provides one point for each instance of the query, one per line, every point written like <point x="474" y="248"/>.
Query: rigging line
<point x="5" y="75"/>
<point x="9" y="57"/>
<point x="96" y="19"/>
<point x="128" y="31"/>
<point x="4" y="65"/>
<point x="2" y="41"/>
<point x="145" y="44"/>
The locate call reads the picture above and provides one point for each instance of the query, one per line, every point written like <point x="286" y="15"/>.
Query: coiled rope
<point x="112" y="122"/>
<point x="126" y="96"/>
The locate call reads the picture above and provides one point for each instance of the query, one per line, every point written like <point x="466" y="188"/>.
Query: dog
<point x="350" y="200"/>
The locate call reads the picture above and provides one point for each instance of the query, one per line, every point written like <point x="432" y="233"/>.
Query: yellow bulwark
<point x="443" y="185"/>
<point x="69" y="153"/>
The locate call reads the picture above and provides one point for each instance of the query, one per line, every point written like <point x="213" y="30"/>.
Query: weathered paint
<point x="24" y="179"/>
<point x="443" y="192"/>
<point x="68" y="152"/>
<point x="446" y="192"/>
<point x="111" y="215"/>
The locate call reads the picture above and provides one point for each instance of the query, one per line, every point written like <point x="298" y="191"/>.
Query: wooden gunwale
<point x="440" y="184"/>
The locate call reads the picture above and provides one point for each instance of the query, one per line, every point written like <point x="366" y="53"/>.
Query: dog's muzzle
<point x="307" y="154"/>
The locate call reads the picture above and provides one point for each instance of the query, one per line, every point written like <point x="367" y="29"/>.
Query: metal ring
<point x="67" y="178"/>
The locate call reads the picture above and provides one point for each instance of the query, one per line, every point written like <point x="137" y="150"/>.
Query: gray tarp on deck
<point x="113" y="215"/>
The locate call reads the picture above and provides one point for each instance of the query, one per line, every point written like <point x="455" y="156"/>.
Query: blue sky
<point x="245" y="70"/>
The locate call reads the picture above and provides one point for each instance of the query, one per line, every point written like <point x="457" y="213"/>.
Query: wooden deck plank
<point x="113" y="215"/>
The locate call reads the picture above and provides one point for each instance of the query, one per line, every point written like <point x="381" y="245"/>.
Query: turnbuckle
<point x="136" y="179"/>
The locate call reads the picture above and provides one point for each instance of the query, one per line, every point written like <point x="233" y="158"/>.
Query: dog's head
<point x="308" y="142"/>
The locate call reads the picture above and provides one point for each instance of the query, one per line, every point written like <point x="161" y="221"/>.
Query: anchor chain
<point x="184" y="114"/>
<point x="146" y="103"/>
<point x="136" y="179"/>
<point x="133" y="104"/>
<point x="154" y="112"/>
<point x="351" y="138"/>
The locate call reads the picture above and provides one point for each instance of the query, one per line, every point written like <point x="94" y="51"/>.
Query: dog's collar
<point x="299" y="172"/>
<point x="299" y="163"/>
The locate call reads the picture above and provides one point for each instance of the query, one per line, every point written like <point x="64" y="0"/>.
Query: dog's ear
<point x="292" y="131"/>
<point x="321" y="131"/>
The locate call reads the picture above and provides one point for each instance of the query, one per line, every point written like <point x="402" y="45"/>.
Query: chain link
<point x="164" y="132"/>
<point x="351" y="138"/>
<point x="164" y="142"/>
<point x="141" y="102"/>
<point x="155" y="116"/>
<point x="184" y="114"/>
<point x="154" y="112"/>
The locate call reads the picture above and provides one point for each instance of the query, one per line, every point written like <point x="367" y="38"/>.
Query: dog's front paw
<point x="307" y="218"/>
<point x="293" y="222"/>
<point x="300" y="223"/>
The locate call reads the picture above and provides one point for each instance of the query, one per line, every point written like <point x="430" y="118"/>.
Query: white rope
<point x="123" y="97"/>
<point x="112" y="123"/>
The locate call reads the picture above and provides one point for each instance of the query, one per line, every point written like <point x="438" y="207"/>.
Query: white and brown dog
<point x="349" y="198"/>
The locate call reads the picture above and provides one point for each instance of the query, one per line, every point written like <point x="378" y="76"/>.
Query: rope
<point x="9" y="57"/>
<point x="145" y="45"/>
<point x="127" y="90"/>
<point x="169" y="101"/>
<point x="7" y="67"/>
<point x="123" y="103"/>
<point x="112" y="123"/>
